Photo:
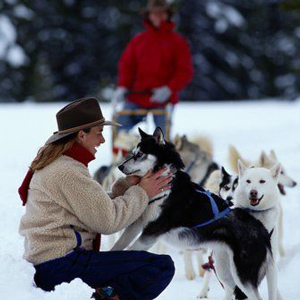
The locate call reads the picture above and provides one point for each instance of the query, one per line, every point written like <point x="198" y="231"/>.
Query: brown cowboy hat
<point x="79" y="114"/>
<point x="157" y="5"/>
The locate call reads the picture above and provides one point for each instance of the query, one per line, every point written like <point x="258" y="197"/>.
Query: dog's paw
<point x="202" y="295"/>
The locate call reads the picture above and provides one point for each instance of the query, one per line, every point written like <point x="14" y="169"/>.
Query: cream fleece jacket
<point x="62" y="198"/>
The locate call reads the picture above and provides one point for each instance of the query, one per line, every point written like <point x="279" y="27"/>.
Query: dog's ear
<point x="142" y="133"/>
<point x="224" y="173"/>
<point x="177" y="141"/>
<point x="263" y="159"/>
<point x="159" y="136"/>
<point x="273" y="155"/>
<point x="241" y="168"/>
<point x="275" y="171"/>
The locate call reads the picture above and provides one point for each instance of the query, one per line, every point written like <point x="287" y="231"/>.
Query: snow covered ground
<point x="251" y="126"/>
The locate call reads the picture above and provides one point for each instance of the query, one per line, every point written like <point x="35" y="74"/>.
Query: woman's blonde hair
<point x="48" y="153"/>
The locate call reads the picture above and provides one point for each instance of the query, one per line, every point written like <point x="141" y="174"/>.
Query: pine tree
<point x="239" y="49"/>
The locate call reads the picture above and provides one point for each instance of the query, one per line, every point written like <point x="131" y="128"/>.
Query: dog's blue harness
<point x="217" y="214"/>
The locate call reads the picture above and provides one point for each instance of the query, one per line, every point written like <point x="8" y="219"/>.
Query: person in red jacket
<point x="154" y="67"/>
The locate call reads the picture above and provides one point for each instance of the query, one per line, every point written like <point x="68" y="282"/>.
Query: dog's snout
<point x="253" y="193"/>
<point x="121" y="167"/>
<point x="229" y="198"/>
<point x="294" y="184"/>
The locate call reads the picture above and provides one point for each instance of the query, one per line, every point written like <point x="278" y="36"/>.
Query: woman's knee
<point x="166" y="266"/>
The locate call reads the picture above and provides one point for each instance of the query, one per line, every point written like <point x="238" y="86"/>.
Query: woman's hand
<point x="133" y="180"/>
<point x="153" y="184"/>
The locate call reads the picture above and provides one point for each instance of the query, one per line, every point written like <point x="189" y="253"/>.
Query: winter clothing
<point x="161" y="95"/>
<point x="153" y="59"/>
<point x="77" y="152"/>
<point x="79" y="114"/>
<point x="66" y="208"/>
<point x="23" y="189"/>
<point x="119" y="96"/>
<point x="134" y="275"/>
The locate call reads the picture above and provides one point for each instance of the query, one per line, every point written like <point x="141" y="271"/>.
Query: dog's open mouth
<point x="255" y="201"/>
<point x="281" y="188"/>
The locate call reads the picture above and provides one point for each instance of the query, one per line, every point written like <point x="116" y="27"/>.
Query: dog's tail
<point x="204" y="143"/>
<point x="234" y="156"/>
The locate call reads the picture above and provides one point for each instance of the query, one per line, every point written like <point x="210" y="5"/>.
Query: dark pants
<point x="133" y="274"/>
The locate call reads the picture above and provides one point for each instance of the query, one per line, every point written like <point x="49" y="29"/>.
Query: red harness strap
<point x="210" y="266"/>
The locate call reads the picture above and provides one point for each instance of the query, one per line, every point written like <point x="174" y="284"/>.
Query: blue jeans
<point x="129" y="121"/>
<point x="133" y="274"/>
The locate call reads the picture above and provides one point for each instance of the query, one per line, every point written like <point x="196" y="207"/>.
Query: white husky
<point x="257" y="192"/>
<point x="266" y="161"/>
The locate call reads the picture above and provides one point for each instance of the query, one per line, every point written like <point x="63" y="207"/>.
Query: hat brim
<point x="56" y="136"/>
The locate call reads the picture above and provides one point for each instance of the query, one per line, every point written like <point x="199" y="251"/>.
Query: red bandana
<point x="78" y="153"/>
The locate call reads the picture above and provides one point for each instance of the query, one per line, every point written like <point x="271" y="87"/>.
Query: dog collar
<point x="156" y="199"/>
<point x="249" y="210"/>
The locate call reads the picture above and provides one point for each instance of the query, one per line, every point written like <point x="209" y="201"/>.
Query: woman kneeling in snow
<point x="66" y="211"/>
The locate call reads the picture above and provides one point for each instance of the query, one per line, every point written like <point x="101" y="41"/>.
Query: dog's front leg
<point x="143" y="243"/>
<point x="280" y="231"/>
<point x="128" y="236"/>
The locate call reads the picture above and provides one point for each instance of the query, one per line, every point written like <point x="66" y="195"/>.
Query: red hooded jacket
<point x="154" y="58"/>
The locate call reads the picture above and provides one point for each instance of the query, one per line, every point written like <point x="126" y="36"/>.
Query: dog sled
<point x="166" y="112"/>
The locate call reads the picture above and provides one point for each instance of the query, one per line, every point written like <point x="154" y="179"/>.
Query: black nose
<point x="294" y="183"/>
<point x="229" y="198"/>
<point x="253" y="193"/>
<point x="121" y="167"/>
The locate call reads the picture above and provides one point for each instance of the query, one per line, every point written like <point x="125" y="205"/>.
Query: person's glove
<point x="119" y="96"/>
<point x="161" y="94"/>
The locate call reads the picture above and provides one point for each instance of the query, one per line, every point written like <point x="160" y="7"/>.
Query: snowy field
<point x="251" y="127"/>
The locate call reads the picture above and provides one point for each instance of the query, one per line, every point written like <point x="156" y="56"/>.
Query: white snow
<point x="23" y="12"/>
<point x="224" y="15"/>
<point x="9" y="50"/>
<point x="7" y="34"/>
<point x="16" y="56"/>
<point x="250" y="126"/>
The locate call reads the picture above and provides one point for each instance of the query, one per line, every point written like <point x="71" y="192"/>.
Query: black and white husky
<point x="190" y="217"/>
<point x="228" y="185"/>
